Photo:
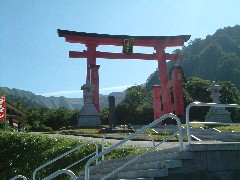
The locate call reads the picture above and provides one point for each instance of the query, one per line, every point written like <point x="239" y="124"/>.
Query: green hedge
<point x="22" y="153"/>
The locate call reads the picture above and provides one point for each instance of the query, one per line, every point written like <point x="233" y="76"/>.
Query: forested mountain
<point x="217" y="57"/>
<point x="28" y="99"/>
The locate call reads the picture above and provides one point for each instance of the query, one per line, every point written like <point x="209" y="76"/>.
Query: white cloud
<point x="79" y="93"/>
<point x="113" y="89"/>
<point x="62" y="93"/>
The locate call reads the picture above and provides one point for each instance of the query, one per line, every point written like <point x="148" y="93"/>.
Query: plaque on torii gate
<point x="161" y="94"/>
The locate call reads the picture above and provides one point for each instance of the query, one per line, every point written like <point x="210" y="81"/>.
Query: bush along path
<point x="22" y="153"/>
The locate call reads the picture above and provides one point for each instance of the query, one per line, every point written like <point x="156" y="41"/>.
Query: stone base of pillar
<point x="220" y="115"/>
<point x="89" y="121"/>
<point x="89" y="117"/>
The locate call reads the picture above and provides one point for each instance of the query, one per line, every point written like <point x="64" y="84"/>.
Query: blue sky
<point x="34" y="58"/>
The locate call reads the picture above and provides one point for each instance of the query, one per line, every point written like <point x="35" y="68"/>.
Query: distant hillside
<point x="217" y="57"/>
<point x="30" y="99"/>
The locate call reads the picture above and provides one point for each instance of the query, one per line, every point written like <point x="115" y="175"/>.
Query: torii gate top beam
<point x="117" y="40"/>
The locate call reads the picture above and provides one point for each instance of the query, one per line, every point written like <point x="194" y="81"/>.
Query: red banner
<point x="2" y="108"/>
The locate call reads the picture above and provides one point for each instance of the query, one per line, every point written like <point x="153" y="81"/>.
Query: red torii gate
<point x="161" y="94"/>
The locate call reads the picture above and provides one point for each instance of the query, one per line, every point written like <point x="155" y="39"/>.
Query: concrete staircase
<point x="152" y="165"/>
<point x="219" y="160"/>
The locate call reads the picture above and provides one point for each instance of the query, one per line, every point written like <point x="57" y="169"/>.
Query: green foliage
<point x="196" y="89"/>
<point x="228" y="128"/>
<point x="152" y="80"/>
<point x="118" y="153"/>
<point x="50" y="119"/>
<point x="136" y="108"/>
<point x="22" y="153"/>
<point x="230" y="95"/>
<point x="216" y="58"/>
<point x="105" y="116"/>
<point x="2" y="125"/>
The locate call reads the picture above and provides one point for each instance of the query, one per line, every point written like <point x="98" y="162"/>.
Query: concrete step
<point x="169" y="164"/>
<point x="154" y="153"/>
<point x="140" y="166"/>
<point x="139" y="174"/>
<point x="164" y="153"/>
<point x="137" y="179"/>
<point x="150" y="173"/>
<point x="171" y="160"/>
<point x="157" y="161"/>
<point x="122" y="177"/>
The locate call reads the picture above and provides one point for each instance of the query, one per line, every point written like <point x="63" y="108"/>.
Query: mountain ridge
<point x="53" y="102"/>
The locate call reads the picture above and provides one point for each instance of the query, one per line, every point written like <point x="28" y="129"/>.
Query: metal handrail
<point x="65" y="154"/>
<point x="130" y="137"/>
<point x="19" y="176"/>
<point x="139" y="156"/>
<point x="112" y="135"/>
<point x="62" y="171"/>
<point x="203" y="104"/>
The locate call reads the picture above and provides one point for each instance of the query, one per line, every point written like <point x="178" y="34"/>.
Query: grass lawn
<point x="222" y="128"/>
<point x="93" y="132"/>
<point x="147" y="135"/>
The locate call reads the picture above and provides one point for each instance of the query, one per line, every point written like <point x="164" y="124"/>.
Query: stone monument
<point x="217" y="114"/>
<point x="112" y="117"/>
<point x="89" y="116"/>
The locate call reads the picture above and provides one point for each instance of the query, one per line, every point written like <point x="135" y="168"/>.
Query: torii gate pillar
<point x="177" y="91"/>
<point x="95" y="82"/>
<point x="92" y="72"/>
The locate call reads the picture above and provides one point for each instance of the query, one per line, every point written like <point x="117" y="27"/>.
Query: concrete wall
<point x="211" y="161"/>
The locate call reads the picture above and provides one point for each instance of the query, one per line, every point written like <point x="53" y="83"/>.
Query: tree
<point x="136" y="108"/>
<point x="229" y="68"/>
<point x="196" y="89"/>
<point x="153" y="79"/>
<point x="40" y="118"/>
<point x="105" y="116"/>
<point x="230" y="95"/>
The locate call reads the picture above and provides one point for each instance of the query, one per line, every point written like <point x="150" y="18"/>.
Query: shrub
<point x="22" y="153"/>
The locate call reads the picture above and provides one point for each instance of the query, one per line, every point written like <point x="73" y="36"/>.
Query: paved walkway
<point x="208" y="136"/>
<point x="141" y="144"/>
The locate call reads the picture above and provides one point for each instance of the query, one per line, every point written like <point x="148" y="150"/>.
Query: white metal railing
<point x="68" y="152"/>
<point x="148" y="136"/>
<point x="203" y="104"/>
<point x="62" y="171"/>
<point x="130" y="137"/>
<point x="19" y="176"/>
